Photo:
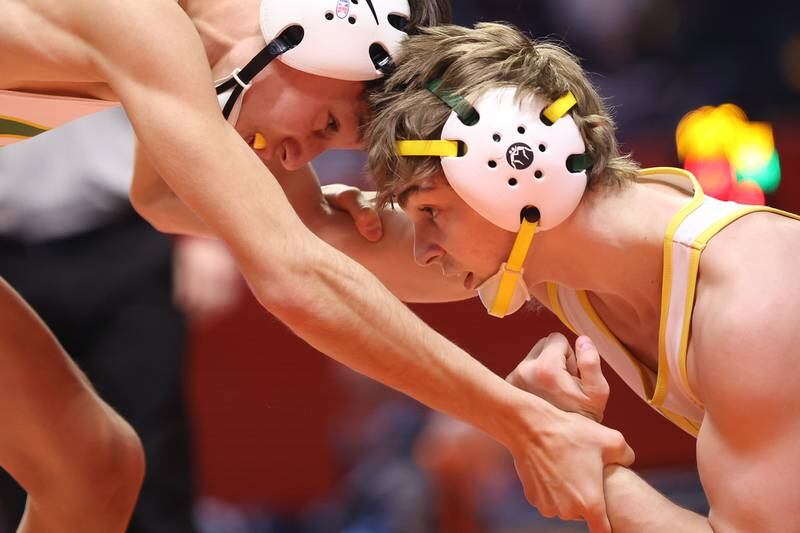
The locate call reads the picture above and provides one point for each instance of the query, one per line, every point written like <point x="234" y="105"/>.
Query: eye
<point x="431" y="212"/>
<point x="333" y="125"/>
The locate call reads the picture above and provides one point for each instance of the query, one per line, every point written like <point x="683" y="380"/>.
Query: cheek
<point x="489" y="246"/>
<point x="279" y="113"/>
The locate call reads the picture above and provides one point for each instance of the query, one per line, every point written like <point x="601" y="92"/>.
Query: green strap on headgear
<point x="468" y="115"/>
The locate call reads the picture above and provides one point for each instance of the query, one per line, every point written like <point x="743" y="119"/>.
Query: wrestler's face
<point x="447" y="232"/>
<point x="301" y="115"/>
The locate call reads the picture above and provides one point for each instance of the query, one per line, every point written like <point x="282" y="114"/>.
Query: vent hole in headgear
<point x="542" y="148"/>
<point x="538" y="174"/>
<point x="492" y="164"/>
<point x="530" y="213"/>
<point x="496" y="138"/>
<point x="351" y="19"/>
<point x="293" y="34"/>
<point x="380" y="58"/>
<point x="579" y="162"/>
<point x="355" y="2"/>
<point x="398" y="22"/>
<point x="329" y="15"/>
<point x="513" y="182"/>
<point x="521" y="130"/>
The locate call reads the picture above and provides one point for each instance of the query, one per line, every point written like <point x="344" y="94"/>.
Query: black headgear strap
<point x="287" y="40"/>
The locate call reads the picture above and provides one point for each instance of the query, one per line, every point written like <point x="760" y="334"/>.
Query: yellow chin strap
<point x="513" y="270"/>
<point x="527" y="230"/>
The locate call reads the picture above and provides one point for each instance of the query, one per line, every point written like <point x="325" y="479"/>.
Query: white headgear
<point x="519" y="163"/>
<point x="514" y="160"/>
<point x="351" y="40"/>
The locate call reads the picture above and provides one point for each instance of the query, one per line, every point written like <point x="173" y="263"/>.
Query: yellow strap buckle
<point x="560" y="107"/>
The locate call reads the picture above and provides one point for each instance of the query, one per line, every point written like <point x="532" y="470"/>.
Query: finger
<point x="618" y="452"/>
<point x="552" y="363"/>
<point x="515" y="376"/>
<point x="366" y="217"/>
<point x="596" y="514"/>
<point x="588" y="361"/>
<point x="572" y="363"/>
<point x="537" y="348"/>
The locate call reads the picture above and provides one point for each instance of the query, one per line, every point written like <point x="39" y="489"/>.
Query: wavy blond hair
<point x="469" y="62"/>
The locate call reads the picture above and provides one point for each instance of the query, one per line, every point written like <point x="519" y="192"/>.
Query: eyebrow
<point x="405" y="194"/>
<point x="402" y="198"/>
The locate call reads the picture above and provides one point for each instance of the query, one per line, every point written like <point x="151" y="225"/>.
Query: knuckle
<point x="544" y="376"/>
<point x="558" y="339"/>
<point x="547" y="511"/>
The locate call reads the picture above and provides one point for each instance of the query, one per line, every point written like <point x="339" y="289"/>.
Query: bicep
<point x="750" y="488"/>
<point x="747" y="443"/>
<point x="158" y="67"/>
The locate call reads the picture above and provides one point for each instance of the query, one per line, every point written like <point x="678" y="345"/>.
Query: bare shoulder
<point x="84" y="40"/>
<point x="744" y="327"/>
<point x="38" y="45"/>
<point x="744" y="342"/>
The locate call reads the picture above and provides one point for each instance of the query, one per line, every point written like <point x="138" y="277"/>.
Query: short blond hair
<point x="469" y="62"/>
<point x="428" y="13"/>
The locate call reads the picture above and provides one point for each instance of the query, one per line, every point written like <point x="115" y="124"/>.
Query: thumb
<point x="588" y="360"/>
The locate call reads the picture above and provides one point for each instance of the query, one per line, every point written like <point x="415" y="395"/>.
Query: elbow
<point x="287" y="296"/>
<point x="285" y="285"/>
<point x="146" y="209"/>
<point x="150" y="210"/>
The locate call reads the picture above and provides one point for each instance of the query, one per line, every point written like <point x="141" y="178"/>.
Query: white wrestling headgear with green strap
<point x="521" y="165"/>
<point x="351" y="40"/>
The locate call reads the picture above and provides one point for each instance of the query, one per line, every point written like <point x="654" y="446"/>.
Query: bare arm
<point x="745" y="354"/>
<point x="635" y="506"/>
<point x="391" y="259"/>
<point x="746" y="454"/>
<point x="153" y="59"/>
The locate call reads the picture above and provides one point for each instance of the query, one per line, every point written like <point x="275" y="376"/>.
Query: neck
<point x="229" y="30"/>
<point x="612" y="247"/>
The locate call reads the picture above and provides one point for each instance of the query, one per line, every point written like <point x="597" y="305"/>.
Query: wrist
<point x="519" y="417"/>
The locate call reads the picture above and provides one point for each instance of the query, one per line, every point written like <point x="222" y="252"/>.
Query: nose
<point x="296" y="154"/>
<point x="426" y="252"/>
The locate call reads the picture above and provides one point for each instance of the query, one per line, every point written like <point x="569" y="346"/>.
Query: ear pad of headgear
<point x="514" y="160"/>
<point x="343" y="39"/>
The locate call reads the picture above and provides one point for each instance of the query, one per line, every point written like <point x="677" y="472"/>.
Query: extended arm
<point x="151" y="56"/>
<point x="391" y="258"/>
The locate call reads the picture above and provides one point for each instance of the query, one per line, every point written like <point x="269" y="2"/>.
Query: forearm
<point x="327" y="299"/>
<point x="336" y="306"/>
<point x="634" y="506"/>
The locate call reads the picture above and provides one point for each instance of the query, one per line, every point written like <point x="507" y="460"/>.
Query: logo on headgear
<point x="342" y="8"/>
<point x="519" y="156"/>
